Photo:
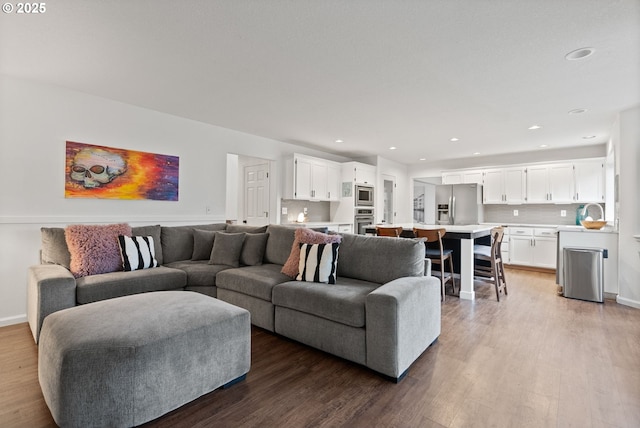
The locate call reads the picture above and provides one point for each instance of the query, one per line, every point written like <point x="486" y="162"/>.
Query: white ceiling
<point x="374" y="73"/>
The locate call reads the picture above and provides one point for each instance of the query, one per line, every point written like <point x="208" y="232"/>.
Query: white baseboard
<point x="628" y="302"/>
<point x="13" y="320"/>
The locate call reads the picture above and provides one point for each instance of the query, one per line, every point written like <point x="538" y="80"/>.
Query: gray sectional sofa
<point x="383" y="312"/>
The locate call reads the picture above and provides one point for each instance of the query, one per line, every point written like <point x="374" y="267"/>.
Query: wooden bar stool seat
<point x="438" y="256"/>
<point x="391" y="231"/>
<point x="491" y="268"/>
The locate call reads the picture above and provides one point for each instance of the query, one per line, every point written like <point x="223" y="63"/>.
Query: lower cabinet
<point x="532" y="246"/>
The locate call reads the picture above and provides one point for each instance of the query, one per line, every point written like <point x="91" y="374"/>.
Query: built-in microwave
<point x="364" y="196"/>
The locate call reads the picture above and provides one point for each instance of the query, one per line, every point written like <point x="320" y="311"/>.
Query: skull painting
<point x="94" y="167"/>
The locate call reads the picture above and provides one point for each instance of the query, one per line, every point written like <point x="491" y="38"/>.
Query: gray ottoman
<point x="126" y="361"/>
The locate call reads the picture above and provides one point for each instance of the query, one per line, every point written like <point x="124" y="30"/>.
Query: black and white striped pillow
<point x="137" y="252"/>
<point x="318" y="263"/>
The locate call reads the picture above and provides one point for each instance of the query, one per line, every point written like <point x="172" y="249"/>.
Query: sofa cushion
<point x="245" y="228"/>
<point x="137" y="252"/>
<point x="253" y="249"/>
<point x="155" y="232"/>
<point x="115" y="284"/>
<point x="202" y="244"/>
<point x="378" y="259"/>
<point x="54" y="247"/>
<point x="94" y="248"/>
<point x="226" y="249"/>
<point x="199" y="272"/>
<point x="256" y="281"/>
<point x="342" y="302"/>
<point x="177" y="241"/>
<point x="318" y="263"/>
<point x="279" y="244"/>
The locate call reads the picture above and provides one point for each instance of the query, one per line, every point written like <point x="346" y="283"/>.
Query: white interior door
<point x="389" y="185"/>
<point x="256" y="194"/>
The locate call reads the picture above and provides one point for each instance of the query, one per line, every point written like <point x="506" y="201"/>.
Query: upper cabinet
<point x="576" y="181"/>
<point x="589" y="177"/>
<point x="552" y="183"/>
<point x="460" y="177"/>
<point x="360" y="173"/>
<point x="315" y="179"/>
<point x="503" y="185"/>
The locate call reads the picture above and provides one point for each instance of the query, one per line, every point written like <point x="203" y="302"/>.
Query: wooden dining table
<point x="466" y="234"/>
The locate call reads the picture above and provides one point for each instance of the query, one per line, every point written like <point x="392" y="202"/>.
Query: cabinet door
<point x="302" y="188"/>
<point x="544" y="252"/>
<point x="520" y="250"/>
<point x="589" y="177"/>
<point x="452" y="178"/>
<point x="561" y="187"/>
<point x="470" y="177"/>
<point x="334" y="172"/>
<point x="365" y="175"/>
<point x="319" y="181"/>
<point x="493" y="186"/>
<point x="515" y="185"/>
<point x="537" y="184"/>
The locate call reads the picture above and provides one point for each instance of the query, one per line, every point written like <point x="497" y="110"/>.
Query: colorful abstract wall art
<point x="109" y="173"/>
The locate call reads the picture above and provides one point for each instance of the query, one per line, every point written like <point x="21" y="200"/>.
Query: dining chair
<point x="438" y="256"/>
<point x="389" y="231"/>
<point x="488" y="264"/>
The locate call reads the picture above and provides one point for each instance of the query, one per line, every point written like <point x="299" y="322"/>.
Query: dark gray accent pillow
<point x="54" y="247"/>
<point x="226" y="249"/>
<point x="253" y="249"/>
<point x="202" y="244"/>
<point x="237" y="228"/>
<point x="155" y="233"/>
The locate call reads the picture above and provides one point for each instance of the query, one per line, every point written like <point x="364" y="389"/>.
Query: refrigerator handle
<point x="452" y="218"/>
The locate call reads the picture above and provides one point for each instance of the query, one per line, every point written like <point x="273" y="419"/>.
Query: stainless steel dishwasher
<point x="584" y="273"/>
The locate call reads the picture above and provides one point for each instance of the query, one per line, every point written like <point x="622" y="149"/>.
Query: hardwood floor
<point x="534" y="359"/>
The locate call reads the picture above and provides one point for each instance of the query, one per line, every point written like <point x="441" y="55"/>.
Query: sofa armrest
<point x="50" y="288"/>
<point x="402" y="320"/>
<point x="427" y="267"/>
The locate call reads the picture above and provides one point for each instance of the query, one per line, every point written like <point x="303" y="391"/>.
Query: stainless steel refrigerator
<point x="459" y="204"/>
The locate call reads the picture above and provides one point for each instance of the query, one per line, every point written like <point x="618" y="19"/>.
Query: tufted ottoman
<point x="126" y="361"/>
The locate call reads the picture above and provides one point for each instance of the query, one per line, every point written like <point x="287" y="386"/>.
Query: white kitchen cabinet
<point x="473" y="176"/>
<point x="529" y="246"/>
<point x="589" y="180"/>
<point x="504" y="185"/>
<point x="360" y="173"/>
<point x="551" y="183"/>
<point x="315" y="179"/>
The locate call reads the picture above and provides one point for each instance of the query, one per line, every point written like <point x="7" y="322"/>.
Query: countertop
<point x="606" y="229"/>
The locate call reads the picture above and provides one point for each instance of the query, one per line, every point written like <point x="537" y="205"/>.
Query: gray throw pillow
<point x="202" y="244"/>
<point x="253" y="249"/>
<point x="54" y="247"/>
<point x="226" y="249"/>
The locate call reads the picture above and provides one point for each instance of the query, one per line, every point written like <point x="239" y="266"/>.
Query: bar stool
<point x="389" y="231"/>
<point x="438" y="256"/>
<point x="494" y="271"/>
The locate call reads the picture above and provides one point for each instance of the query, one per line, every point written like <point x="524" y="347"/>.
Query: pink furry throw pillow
<point x="305" y="236"/>
<point x="94" y="248"/>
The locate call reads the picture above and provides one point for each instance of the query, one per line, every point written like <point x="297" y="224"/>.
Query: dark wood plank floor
<point x="532" y="360"/>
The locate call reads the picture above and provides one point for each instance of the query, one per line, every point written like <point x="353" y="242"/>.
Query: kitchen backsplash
<point x="316" y="211"/>
<point x="533" y="214"/>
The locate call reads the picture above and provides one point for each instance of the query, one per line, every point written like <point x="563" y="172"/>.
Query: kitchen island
<point x="466" y="234"/>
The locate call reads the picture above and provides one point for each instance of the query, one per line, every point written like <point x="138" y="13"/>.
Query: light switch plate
<point x="285" y="210"/>
<point x="515" y="213"/>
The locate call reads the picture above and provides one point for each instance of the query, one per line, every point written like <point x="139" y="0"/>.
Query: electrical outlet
<point x="515" y="213"/>
<point x="563" y="213"/>
<point x="304" y="210"/>
<point x="207" y="209"/>
<point x="284" y="210"/>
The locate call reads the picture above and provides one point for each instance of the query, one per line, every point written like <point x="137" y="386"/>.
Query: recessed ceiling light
<point x="454" y="139"/>
<point x="339" y="141"/>
<point x="579" y="54"/>
<point x="544" y="145"/>
<point x="588" y="137"/>
<point x="577" y="111"/>
<point x="392" y="148"/>
<point x="535" y="127"/>
<point x="423" y="159"/>
<point x="476" y="153"/>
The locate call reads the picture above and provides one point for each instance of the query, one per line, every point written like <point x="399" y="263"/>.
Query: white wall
<point x="36" y="120"/>
<point x="626" y="139"/>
